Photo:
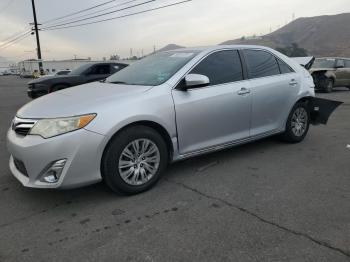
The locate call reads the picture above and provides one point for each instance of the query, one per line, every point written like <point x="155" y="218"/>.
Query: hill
<point x="320" y="35"/>
<point x="169" y="47"/>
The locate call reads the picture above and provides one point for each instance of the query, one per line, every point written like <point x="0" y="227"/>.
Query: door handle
<point x="243" y="91"/>
<point x="293" y="82"/>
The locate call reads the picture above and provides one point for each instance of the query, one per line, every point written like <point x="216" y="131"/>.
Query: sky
<point x="195" y="23"/>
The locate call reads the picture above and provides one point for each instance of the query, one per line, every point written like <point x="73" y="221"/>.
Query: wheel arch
<point x="148" y="123"/>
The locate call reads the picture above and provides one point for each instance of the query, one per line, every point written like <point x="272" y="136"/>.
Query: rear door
<point x="219" y="113"/>
<point x="340" y="73"/>
<point x="347" y="68"/>
<point x="274" y="86"/>
<point x="343" y="73"/>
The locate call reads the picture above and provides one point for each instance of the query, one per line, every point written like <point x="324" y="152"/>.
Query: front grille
<point x="20" y="166"/>
<point x="22" y="126"/>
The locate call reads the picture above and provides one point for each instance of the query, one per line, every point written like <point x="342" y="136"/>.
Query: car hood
<point x="79" y="100"/>
<point x="48" y="78"/>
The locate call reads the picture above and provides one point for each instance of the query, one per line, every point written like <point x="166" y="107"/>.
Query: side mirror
<point x="196" y="81"/>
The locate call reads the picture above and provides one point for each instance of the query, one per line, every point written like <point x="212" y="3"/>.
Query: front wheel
<point x="298" y="124"/>
<point x="134" y="160"/>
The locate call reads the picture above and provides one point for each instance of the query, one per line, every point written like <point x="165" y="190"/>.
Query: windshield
<point x="80" y="69"/>
<point x="153" y="70"/>
<point x="324" y="63"/>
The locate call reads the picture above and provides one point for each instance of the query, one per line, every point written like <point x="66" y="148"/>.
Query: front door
<point x="219" y="113"/>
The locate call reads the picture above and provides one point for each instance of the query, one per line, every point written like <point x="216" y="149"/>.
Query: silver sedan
<point x="164" y="108"/>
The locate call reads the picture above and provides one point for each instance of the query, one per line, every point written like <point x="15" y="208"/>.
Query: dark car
<point x="84" y="74"/>
<point x="63" y="72"/>
<point x="331" y="72"/>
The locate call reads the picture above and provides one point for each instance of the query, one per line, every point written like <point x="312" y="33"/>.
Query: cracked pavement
<point x="265" y="201"/>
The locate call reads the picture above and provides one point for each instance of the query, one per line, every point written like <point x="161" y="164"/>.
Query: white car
<point x="164" y="108"/>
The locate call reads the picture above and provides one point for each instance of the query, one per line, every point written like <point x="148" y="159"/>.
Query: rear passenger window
<point x="261" y="64"/>
<point x="221" y="67"/>
<point x="340" y="63"/>
<point x="284" y="68"/>
<point x="347" y="63"/>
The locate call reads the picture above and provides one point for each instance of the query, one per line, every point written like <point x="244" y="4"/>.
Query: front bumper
<point x="82" y="149"/>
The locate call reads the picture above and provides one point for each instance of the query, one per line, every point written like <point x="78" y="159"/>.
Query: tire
<point x="298" y="123"/>
<point x="123" y="171"/>
<point x="329" y="84"/>
<point x="57" y="88"/>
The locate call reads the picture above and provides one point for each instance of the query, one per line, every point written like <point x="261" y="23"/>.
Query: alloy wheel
<point x="299" y="121"/>
<point x="139" y="162"/>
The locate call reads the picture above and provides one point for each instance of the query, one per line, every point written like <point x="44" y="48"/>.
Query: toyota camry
<point x="164" y="108"/>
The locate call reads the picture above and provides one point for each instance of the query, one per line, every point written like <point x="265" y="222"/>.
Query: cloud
<point x="200" y="22"/>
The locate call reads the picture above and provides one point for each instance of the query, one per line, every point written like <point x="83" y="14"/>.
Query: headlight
<point x="57" y="126"/>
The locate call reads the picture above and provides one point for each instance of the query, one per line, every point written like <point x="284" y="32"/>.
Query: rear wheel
<point x="329" y="85"/>
<point x="298" y="123"/>
<point x="134" y="160"/>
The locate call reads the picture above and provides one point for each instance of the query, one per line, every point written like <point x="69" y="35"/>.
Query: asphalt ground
<point x="265" y="201"/>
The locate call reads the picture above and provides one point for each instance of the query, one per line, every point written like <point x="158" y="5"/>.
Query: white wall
<point x="30" y="66"/>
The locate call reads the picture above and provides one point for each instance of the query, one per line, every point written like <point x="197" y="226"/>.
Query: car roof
<point x="219" y="47"/>
<point x="108" y="62"/>
<point x="345" y="58"/>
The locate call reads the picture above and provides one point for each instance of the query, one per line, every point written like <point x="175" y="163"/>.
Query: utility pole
<point x="37" y="40"/>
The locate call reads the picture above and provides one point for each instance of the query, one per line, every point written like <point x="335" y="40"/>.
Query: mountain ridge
<point x="326" y="35"/>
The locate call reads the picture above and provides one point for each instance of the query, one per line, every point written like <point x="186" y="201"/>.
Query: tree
<point x="293" y="50"/>
<point x="114" y="57"/>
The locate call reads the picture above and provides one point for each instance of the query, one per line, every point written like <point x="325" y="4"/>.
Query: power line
<point x="108" y="13"/>
<point x="118" y="17"/>
<point x="98" y="11"/>
<point x="78" y="12"/>
<point x="15" y="35"/>
<point x="14" y="42"/>
<point x="14" y="39"/>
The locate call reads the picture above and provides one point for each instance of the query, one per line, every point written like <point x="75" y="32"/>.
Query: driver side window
<point x="100" y="70"/>
<point x="221" y="67"/>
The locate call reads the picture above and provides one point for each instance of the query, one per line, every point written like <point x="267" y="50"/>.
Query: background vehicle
<point x="84" y="74"/>
<point x="164" y="108"/>
<point x="305" y="62"/>
<point x="63" y="72"/>
<point x="26" y="74"/>
<point x="58" y="73"/>
<point x="331" y="72"/>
